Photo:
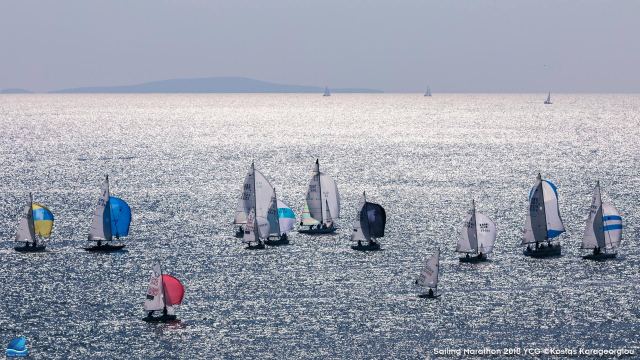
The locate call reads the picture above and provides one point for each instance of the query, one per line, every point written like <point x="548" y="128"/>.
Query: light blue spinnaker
<point x="117" y="217"/>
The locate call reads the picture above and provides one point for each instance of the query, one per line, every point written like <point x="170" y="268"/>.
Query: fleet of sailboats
<point x="368" y="225"/>
<point x="164" y="293"/>
<point x="543" y="223"/>
<point x="477" y="236"/>
<point x="35" y="225"/>
<point x="111" y="220"/>
<point x="603" y="230"/>
<point x="322" y="206"/>
<point x="259" y="214"/>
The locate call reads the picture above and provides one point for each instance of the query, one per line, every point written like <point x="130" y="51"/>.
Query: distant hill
<point x="15" y="91"/>
<point x="211" y="85"/>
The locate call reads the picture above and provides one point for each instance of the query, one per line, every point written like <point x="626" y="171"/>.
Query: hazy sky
<point x="393" y="45"/>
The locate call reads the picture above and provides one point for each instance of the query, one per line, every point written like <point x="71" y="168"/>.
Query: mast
<point x="475" y="221"/>
<point x="546" y="230"/>
<point x="275" y="197"/>
<point x="30" y="219"/>
<point x="320" y="191"/>
<point x="255" y="203"/>
<point x="604" y="233"/>
<point x="164" y="296"/>
<point x="366" y="214"/>
<point x="110" y="212"/>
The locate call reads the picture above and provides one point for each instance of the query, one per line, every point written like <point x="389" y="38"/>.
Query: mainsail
<point x="259" y="195"/>
<point x="26" y="229"/>
<point x="370" y="221"/>
<point x="429" y="275"/>
<point x="543" y="218"/>
<point x="322" y="192"/>
<point x="478" y="233"/>
<point x="155" y="291"/>
<point x="603" y="228"/>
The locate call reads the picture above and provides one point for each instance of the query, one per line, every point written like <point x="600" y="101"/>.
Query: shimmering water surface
<point x="180" y="160"/>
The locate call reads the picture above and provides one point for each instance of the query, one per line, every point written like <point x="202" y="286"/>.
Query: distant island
<point x="14" y="91"/>
<point x="211" y="85"/>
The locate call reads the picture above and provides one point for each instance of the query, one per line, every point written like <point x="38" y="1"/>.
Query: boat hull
<point x="277" y="242"/>
<point x="427" y="296"/>
<point x="600" y="257"/>
<point x="473" y="259"/>
<point x="543" y="252"/>
<point x="37" y="248"/>
<point x="254" y="246"/>
<point x="160" y="319"/>
<point x="366" y="247"/>
<point x="105" y="248"/>
<point x="314" y="230"/>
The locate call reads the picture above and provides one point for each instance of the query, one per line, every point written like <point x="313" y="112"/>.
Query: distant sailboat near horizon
<point x="322" y="206"/>
<point x="164" y="293"/>
<point x="548" y="101"/>
<point x="543" y="222"/>
<point x="429" y="276"/>
<point x="111" y="218"/>
<point x="428" y="92"/>
<point x="35" y="224"/>
<point x="477" y="237"/>
<point x="368" y="225"/>
<point x="326" y="92"/>
<point x="603" y="228"/>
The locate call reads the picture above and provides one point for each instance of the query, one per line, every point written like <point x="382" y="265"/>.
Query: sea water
<point x="180" y="160"/>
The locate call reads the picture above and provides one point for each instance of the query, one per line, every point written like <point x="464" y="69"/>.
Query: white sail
<point x="155" y="292"/>
<point x="97" y="230"/>
<point x="26" y="228"/>
<point x="314" y="198"/>
<point x="429" y="275"/>
<point x="468" y="240"/>
<point x="359" y="233"/>
<point x="245" y="203"/>
<point x="543" y="218"/>
<point x="593" y="232"/>
<point x="252" y="231"/>
<point x="611" y="225"/>
<point x="272" y="216"/>
<point x="264" y="202"/>
<point x="486" y="233"/>
<point x="330" y="195"/>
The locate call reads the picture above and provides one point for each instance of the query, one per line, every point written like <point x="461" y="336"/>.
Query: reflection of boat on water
<point x="36" y="224"/>
<point x="603" y="229"/>
<point x="368" y="225"/>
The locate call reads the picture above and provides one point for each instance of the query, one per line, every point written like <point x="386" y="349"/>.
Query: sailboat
<point x="548" y="101"/>
<point x="258" y="201"/>
<point x="428" y="92"/>
<point x="326" y="92"/>
<point x="111" y="219"/>
<point x="322" y="204"/>
<point x="369" y="225"/>
<point x="429" y="276"/>
<point x="543" y="222"/>
<point x="36" y="223"/>
<point x="603" y="230"/>
<point x="163" y="294"/>
<point x="280" y="224"/>
<point x="477" y="236"/>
